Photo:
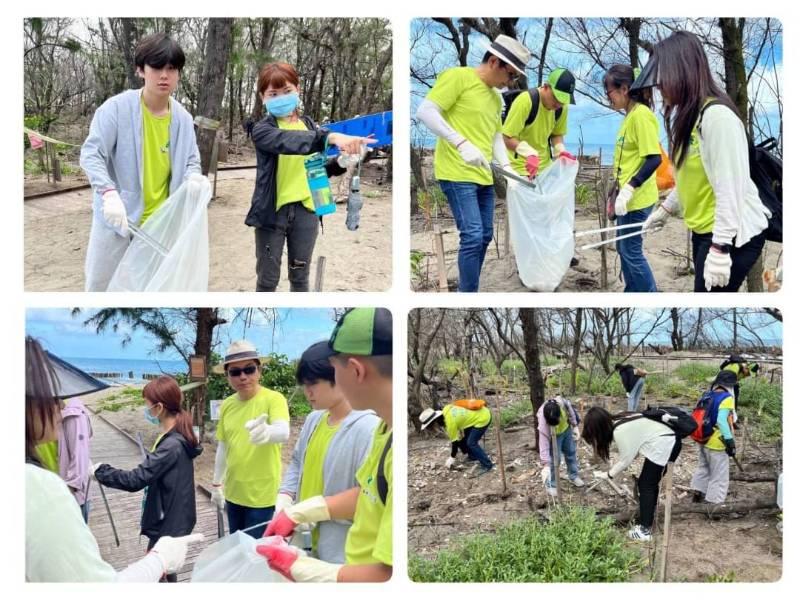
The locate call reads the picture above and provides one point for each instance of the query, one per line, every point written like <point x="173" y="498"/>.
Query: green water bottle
<point x="319" y="185"/>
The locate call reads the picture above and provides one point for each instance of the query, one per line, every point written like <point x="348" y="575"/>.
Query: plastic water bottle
<point x="319" y="185"/>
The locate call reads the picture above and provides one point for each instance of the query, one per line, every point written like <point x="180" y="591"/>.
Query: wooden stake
<point x="320" y="274"/>
<point x="556" y="460"/>
<point x="500" y="460"/>
<point x="666" y="485"/>
<point x="438" y="248"/>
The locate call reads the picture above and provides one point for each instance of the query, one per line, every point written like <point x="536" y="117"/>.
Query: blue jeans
<point x="470" y="445"/>
<point x="635" y="268"/>
<point x="245" y="517"/>
<point x="635" y="395"/>
<point x="566" y="449"/>
<point x="472" y="206"/>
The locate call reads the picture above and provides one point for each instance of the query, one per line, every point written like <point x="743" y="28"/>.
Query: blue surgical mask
<point x="150" y="418"/>
<point x="282" y="106"/>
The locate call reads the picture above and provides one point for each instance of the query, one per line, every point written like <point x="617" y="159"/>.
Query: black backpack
<point x="766" y="171"/>
<point x="682" y="422"/>
<point x="382" y="483"/>
<point x="511" y="95"/>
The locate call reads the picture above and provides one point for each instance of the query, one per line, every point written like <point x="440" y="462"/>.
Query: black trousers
<point x="297" y="227"/>
<point x="649" y="479"/>
<point x="743" y="260"/>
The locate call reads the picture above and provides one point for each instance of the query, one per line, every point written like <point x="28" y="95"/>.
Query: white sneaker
<point x="552" y="491"/>
<point x="640" y="534"/>
<point x="577" y="482"/>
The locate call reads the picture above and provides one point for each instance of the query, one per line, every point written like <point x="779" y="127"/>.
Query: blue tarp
<point x="379" y="125"/>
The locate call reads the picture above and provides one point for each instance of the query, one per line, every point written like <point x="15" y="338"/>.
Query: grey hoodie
<point x="347" y="450"/>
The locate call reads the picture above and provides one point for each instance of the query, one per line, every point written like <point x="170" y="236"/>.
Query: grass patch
<point x="514" y="412"/>
<point x="762" y="403"/>
<point x="124" y="399"/>
<point x="574" y="546"/>
<point x="696" y="373"/>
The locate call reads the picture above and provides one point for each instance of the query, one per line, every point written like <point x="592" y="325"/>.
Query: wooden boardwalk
<point x="111" y="446"/>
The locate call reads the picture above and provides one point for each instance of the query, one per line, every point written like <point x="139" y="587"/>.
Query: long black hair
<point x="686" y="82"/>
<point x="42" y="404"/>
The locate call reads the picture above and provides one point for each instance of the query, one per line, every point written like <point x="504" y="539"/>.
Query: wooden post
<point x="214" y="162"/>
<point x="438" y="248"/>
<point x="56" y="168"/>
<point x="500" y="460"/>
<point x="320" y="274"/>
<point x="667" y="487"/>
<point x="555" y="467"/>
<point x="602" y="218"/>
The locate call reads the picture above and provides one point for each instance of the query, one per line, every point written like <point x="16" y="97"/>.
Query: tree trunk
<point x="676" y="336"/>
<point x="206" y="320"/>
<point x="530" y="332"/>
<point x="633" y="27"/>
<point x="212" y="82"/>
<point x="576" y="349"/>
<point x="547" y="29"/>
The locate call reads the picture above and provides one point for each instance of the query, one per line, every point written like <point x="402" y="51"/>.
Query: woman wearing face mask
<point x="282" y="210"/>
<point x="334" y="441"/>
<point x="167" y="471"/>
<point x="59" y="546"/>
<point x="637" y="155"/>
<point x="708" y="146"/>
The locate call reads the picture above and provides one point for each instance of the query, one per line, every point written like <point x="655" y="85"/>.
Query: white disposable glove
<point x="657" y="218"/>
<point x="717" y="270"/>
<point x="172" y="550"/>
<point x="471" y="155"/>
<point x="526" y="150"/>
<point x="217" y="496"/>
<point x="282" y="502"/>
<point x="449" y="462"/>
<point x="576" y="434"/>
<point x="601" y="475"/>
<point x="259" y="430"/>
<point x="545" y="474"/>
<point x="114" y="212"/>
<point x="623" y="197"/>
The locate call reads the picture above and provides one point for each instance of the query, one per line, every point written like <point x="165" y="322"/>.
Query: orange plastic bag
<point x="665" y="178"/>
<point x="470" y="404"/>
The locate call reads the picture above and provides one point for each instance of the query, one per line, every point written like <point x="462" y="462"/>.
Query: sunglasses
<point x="235" y="372"/>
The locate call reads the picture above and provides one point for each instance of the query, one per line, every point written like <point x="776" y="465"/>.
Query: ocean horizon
<point x="129" y="370"/>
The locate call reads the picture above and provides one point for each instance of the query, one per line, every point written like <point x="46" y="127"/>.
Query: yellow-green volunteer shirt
<point x="253" y="473"/>
<point x="537" y="134"/>
<point x="292" y="183"/>
<point x="48" y="455"/>
<point x="157" y="167"/>
<point x="696" y="195"/>
<point x="563" y="422"/>
<point x="313" y="477"/>
<point x="457" y="419"/>
<point x="473" y="109"/>
<point x="715" y="441"/>
<point x="369" y="539"/>
<point x="637" y="137"/>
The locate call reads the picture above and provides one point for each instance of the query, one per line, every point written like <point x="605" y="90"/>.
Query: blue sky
<point x="65" y="335"/>
<point x="596" y="124"/>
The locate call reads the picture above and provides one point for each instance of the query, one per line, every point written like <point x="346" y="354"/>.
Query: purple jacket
<point x="74" y="461"/>
<point x="544" y="428"/>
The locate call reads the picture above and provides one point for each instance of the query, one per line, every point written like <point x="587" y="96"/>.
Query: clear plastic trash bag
<point x="234" y="558"/>
<point x="542" y="222"/>
<point x="180" y="225"/>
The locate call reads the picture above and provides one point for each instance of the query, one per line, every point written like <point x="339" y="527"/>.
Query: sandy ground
<point x="444" y="505"/>
<point x="57" y="232"/>
<point x="665" y="250"/>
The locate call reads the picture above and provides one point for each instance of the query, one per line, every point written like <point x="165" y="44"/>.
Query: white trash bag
<point x="542" y="222"/>
<point x="234" y="558"/>
<point x="180" y="225"/>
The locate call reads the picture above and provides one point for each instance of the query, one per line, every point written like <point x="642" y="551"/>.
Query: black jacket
<point x="270" y="142"/>
<point x="168" y="474"/>
<point x="629" y="377"/>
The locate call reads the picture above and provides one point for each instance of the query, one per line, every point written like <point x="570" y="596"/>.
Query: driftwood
<point x="726" y="508"/>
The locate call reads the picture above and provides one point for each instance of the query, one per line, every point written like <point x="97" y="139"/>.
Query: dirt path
<point x="57" y="232"/>
<point x="665" y="251"/>
<point x="444" y="505"/>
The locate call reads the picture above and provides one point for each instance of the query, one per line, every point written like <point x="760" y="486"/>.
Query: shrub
<point x="574" y="546"/>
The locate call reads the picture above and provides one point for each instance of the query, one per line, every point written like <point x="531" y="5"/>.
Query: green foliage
<point x="432" y="198"/>
<point x="762" y="403"/>
<point x="449" y="366"/>
<point x="127" y="398"/>
<point x="574" y="546"/>
<point x="728" y="577"/>
<point x="513" y="366"/>
<point x="488" y="368"/>
<point x="696" y="373"/>
<point x="417" y="258"/>
<point x="583" y="194"/>
<point x="514" y="412"/>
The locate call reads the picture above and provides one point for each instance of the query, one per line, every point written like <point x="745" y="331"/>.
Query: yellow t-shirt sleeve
<point x="447" y="89"/>
<point x="645" y="130"/>
<point x="278" y="409"/>
<point x="220" y="435"/>
<point x="517" y="114"/>
<point x="560" y="127"/>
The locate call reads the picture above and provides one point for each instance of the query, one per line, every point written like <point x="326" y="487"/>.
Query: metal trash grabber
<point x="108" y="511"/>
<point x="604" y="229"/>
<point x="513" y="176"/>
<point x="620" y="237"/>
<point x="147" y="239"/>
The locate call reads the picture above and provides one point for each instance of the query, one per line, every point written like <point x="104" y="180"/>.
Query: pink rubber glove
<point x="532" y="166"/>
<point x="281" y="525"/>
<point x="280" y="556"/>
<point x="567" y="156"/>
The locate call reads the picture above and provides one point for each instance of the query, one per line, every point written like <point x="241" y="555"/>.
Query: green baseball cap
<point x="363" y="332"/>
<point x="562" y="81"/>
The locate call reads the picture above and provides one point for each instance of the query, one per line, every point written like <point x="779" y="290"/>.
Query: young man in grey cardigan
<point x="332" y="444"/>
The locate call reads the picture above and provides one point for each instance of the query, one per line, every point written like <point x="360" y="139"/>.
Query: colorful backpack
<point x="705" y="414"/>
<point x="470" y="404"/>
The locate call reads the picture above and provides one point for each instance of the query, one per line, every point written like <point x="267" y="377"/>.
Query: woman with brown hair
<point x="59" y="546"/>
<point x="709" y="148"/>
<point x="282" y="209"/>
<point x="167" y="471"/>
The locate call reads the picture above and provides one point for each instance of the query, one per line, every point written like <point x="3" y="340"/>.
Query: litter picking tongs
<point x="513" y="176"/>
<point x="108" y="509"/>
<point x="147" y="239"/>
<point x="641" y="231"/>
